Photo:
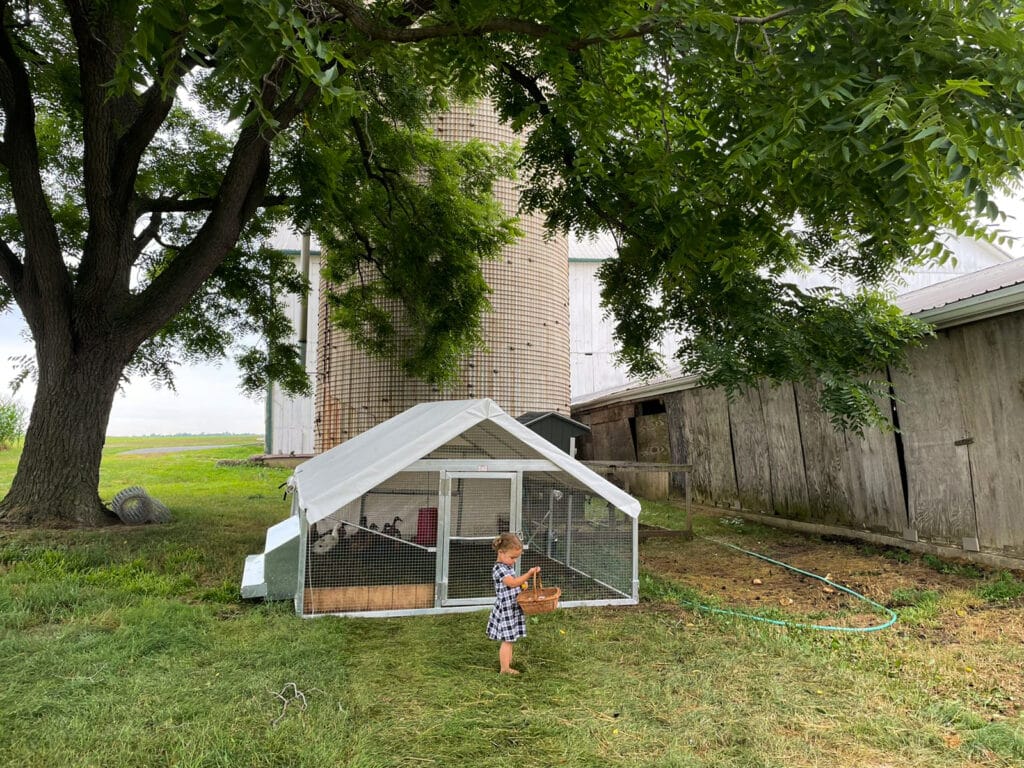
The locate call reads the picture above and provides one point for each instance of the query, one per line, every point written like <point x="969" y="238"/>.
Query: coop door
<point x="475" y="507"/>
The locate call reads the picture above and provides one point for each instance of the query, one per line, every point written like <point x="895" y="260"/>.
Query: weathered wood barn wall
<point x="953" y="475"/>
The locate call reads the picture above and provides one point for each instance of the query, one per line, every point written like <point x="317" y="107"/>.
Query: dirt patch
<point x="707" y="566"/>
<point x="961" y="643"/>
<point x="744" y="581"/>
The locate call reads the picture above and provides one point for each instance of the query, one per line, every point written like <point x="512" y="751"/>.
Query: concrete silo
<point x="525" y="365"/>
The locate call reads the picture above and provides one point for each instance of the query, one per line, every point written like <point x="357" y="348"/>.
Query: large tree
<point x="148" y="147"/>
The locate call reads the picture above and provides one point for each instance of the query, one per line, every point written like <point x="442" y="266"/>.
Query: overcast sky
<point x="207" y="398"/>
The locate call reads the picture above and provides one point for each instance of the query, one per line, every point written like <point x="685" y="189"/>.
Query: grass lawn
<point x="129" y="647"/>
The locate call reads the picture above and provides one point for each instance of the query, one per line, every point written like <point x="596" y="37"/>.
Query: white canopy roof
<point x="331" y="480"/>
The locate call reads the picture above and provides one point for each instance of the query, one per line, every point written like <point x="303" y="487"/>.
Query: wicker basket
<point x="538" y="598"/>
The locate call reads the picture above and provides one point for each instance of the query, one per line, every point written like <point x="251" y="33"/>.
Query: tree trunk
<point x="58" y="475"/>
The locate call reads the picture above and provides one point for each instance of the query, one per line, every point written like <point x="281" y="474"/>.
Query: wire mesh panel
<point x="422" y="540"/>
<point x="378" y="553"/>
<point x="480" y="506"/>
<point x="582" y="543"/>
<point x="484" y="441"/>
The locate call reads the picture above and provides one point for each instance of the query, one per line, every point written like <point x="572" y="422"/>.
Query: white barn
<point x="289" y="420"/>
<point x="592" y="346"/>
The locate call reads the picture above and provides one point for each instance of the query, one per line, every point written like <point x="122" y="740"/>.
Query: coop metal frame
<point x="414" y="442"/>
<point x="446" y="536"/>
<point x="512" y="470"/>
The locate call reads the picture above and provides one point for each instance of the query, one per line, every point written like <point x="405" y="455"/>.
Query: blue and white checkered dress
<point x="507" y="621"/>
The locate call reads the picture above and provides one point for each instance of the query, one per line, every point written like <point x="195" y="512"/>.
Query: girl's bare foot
<point x="509" y="671"/>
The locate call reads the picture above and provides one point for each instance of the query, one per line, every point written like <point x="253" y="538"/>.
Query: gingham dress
<point x="507" y="621"/>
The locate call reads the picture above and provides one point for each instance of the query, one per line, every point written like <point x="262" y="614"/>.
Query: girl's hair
<point x="506" y="542"/>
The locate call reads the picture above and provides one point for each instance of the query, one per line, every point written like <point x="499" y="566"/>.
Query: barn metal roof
<point x="592" y="247"/>
<point x="331" y="480"/>
<point x="975" y="296"/>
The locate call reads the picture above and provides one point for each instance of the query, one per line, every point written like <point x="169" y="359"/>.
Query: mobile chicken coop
<point x="399" y="520"/>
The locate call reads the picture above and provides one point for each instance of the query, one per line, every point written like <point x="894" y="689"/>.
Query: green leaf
<point x="972" y="85"/>
<point x="931" y="130"/>
<point x="980" y="201"/>
<point x="958" y="172"/>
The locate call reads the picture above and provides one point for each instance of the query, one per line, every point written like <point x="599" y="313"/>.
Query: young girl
<point x="507" y="622"/>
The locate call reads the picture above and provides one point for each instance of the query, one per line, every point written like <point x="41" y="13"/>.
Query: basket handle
<point x="537" y="581"/>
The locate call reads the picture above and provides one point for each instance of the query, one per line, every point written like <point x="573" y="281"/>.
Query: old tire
<point x="133" y="505"/>
<point x="159" y="513"/>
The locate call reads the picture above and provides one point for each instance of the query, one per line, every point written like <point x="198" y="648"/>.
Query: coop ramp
<point x="273" y="573"/>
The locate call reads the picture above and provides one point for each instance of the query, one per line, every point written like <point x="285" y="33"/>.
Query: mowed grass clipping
<point x="129" y="647"/>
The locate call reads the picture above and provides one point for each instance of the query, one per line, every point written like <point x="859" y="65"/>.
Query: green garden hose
<point x="801" y="625"/>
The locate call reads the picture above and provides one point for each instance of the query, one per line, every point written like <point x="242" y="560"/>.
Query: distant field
<point x="131" y="443"/>
<point x="129" y="646"/>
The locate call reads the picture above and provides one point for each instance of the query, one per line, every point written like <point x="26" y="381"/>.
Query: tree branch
<point x="296" y="103"/>
<point x="198" y="204"/>
<point x="241" y="191"/>
<point x="357" y="16"/>
<point x="108" y="177"/>
<point x="648" y="27"/>
<point x="152" y="107"/>
<point x="150" y="233"/>
<point x="381" y="174"/>
<point x="165" y="245"/>
<point x="413" y="10"/>
<point x="155" y="106"/>
<point x="11" y="269"/>
<point x="760" y="21"/>
<point x="174" y="205"/>
<point x="531" y="86"/>
<point x="401" y="32"/>
<point x="43" y="273"/>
